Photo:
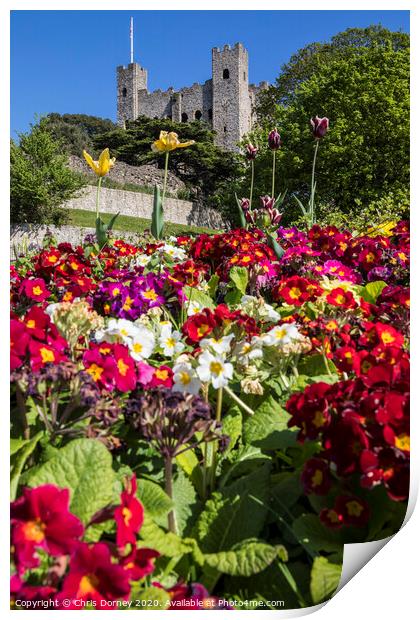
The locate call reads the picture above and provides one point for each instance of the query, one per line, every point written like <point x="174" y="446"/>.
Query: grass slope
<point x="126" y="223"/>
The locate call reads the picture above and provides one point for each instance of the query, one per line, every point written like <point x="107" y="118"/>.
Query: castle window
<point x="244" y="76"/>
<point x="225" y="74"/>
<point x="198" y="115"/>
<point x="184" y="117"/>
<point x="124" y="92"/>
<point x="210" y="114"/>
<point x="225" y="129"/>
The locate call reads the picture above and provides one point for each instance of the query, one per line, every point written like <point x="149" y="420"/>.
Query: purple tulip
<point x="251" y="151"/>
<point x="319" y="126"/>
<point x="267" y="202"/>
<point x="245" y="204"/>
<point x="274" y="141"/>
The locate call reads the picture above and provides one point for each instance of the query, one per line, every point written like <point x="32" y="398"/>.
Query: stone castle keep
<point x="225" y="102"/>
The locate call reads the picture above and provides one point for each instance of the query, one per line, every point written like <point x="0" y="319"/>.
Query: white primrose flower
<point x="246" y="351"/>
<point x="170" y="341"/>
<point x="262" y="309"/>
<point x="281" y="334"/>
<point x="117" y="330"/>
<point x="214" y="368"/>
<point x="185" y="378"/>
<point x="142" y="344"/>
<point x="221" y="346"/>
<point x="193" y="307"/>
<point x="173" y="252"/>
<point x="142" y="260"/>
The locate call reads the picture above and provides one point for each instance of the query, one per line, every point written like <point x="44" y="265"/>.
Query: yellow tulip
<point x="385" y="229"/>
<point x="168" y="141"/>
<point x="101" y="167"/>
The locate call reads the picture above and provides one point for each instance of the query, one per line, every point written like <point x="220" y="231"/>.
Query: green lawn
<point x="126" y="223"/>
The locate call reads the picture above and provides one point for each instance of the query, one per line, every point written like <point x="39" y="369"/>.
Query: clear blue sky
<point x="64" y="61"/>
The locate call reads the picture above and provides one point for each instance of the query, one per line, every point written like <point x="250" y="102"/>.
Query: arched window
<point x="225" y="129"/>
<point x="124" y="92"/>
<point x="225" y="74"/>
<point x="244" y="76"/>
<point x="198" y="115"/>
<point x="210" y="114"/>
<point x="184" y="117"/>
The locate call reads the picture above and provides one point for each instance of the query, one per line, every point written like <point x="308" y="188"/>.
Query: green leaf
<point x="167" y="543"/>
<point x="185" y="501"/>
<point x="112" y="221"/>
<point x="239" y="277"/>
<point x="275" y="246"/>
<point x="213" y="283"/>
<point x="372" y="290"/>
<point x="20" y="451"/>
<point x="232" y="426"/>
<point x="313" y="535"/>
<point x="157" y="215"/>
<point x="101" y="232"/>
<point x="233" y="514"/>
<point x="200" y="297"/>
<point x="149" y="599"/>
<point x="241" y="214"/>
<point x="191" y="466"/>
<point x="267" y="428"/>
<point x="313" y="365"/>
<point x="85" y="467"/>
<point x="153" y="498"/>
<point x="325" y="578"/>
<point x="246" y="559"/>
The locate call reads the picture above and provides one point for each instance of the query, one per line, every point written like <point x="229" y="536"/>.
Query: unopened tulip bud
<point x="251" y="151"/>
<point x="245" y="204"/>
<point x="267" y="202"/>
<point x="274" y="141"/>
<point x="319" y="126"/>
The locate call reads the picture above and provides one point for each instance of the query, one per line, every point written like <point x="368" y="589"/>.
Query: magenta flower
<point x="274" y="141"/>
<point x="319" y="126"/>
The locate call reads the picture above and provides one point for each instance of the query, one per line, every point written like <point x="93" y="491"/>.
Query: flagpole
<point x="131" y="41"/>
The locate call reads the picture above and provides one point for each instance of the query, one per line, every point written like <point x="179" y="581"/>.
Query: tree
<point x="40" y="180"/>
<point x="360" y="81"/>
<point x="205" y="168"/>
<point x="76" y="131"/>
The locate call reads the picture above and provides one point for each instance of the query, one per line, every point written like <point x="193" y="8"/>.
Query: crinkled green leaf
<point x="325" y="578"/>
<point x="85" y="467"/>
<point x="314" y="535"/>
<point x="20" y="450"/>
<point x="149" y="599"/>
<point x="193" y="294"/>
<point x="153" y="498"/>
<point x="267" y="428"/>
<point x="248" y="558"/>
<point x="239" y="277"/>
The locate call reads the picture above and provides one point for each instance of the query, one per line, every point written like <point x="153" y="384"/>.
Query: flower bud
<point x="245" y="204"/>
<point x="267" y="202"/>
<point x="251" y="151"/>
<point x="274" y="141"/>
<point x="319" y="126"/>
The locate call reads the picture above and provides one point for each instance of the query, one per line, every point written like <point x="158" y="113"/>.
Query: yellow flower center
<point x="37" y="290"/>
<point x="150" y="294"/>
<point x="318" y="419"/>
<point x="203" y="329"/>
<point x="340" y="299"/>
<point x="30" y="323"/>
<point x="402" y="442"/>
<point x="280" y="334"/>
<point x="122" y="367"/>
<point x="216" y="368"/>
<point x="354" y="508"/>
<point x="387" y="337"/>
<point x="34" y="530"/>
<point x="128" y="303"/>
<point x="162" y="374"/>
<point x="295" y="292"/>
<point x="95" y="371"/>
<point x="127" y="514"/>
<point x="88" y="585"/>
<point x="184" y="378"/>
<point x="47" y="355"/>
<point x="137" y="347"/>
<point x="317" y="478"/>
<point x="170" y="342"/>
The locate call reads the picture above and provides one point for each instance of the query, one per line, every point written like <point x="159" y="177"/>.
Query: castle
<point x="225" y="102"/>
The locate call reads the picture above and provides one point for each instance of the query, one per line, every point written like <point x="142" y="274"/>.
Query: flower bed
<point x="198" y="423"/>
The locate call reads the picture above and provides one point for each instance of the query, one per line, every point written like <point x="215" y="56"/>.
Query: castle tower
<point x="231" y="97"/>
<point x="130" y="80"/>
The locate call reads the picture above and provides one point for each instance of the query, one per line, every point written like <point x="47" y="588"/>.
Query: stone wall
<point x="144" y="176"/>
<point x="137" y="204"/>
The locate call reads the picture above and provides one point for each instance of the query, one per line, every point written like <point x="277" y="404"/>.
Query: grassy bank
<point x="126" y="223"/>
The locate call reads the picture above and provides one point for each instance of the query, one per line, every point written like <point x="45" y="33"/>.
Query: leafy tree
<point x="360" y="81"/>
<point x="40" y="180"/>
<point x="205" y="168"/>
<point x="77" y="130"/>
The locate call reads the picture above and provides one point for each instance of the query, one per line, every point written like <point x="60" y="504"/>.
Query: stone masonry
<point x="225" y="102"/>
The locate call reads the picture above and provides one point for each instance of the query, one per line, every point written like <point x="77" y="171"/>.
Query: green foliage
<point x="204" y="167"/>
<point x="20" y="451"/>
<point x="267" y="428"/>
<point x="40" y="180"/>
<point x="360" y="81"/>
<point x="245" y="559"/>
<point x="325" y="578"/>
<point x="76" y="467"/>
<point x="76" y="131"/>
<point x="157" y="215"/>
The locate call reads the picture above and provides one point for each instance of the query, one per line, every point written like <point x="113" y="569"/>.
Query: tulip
<point x="168" y="141"/>
<point x="274" y="142"/>
<point x="101" y="167"/>
<point x="319" y="126"/>
<point x="267" y="202"/>
<point x="251" y="151"/>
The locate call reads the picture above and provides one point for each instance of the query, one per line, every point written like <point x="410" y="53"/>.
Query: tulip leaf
<point x="276" y="247"/>
<point x="325" y="577"/>
<point x="101" y="232"/>
<point x="280" y="199"/>
<point x="112" y="221"/>
<point x="157" y="215"/>
<point x="242" y="219"/>
<point x="303" y="209"/>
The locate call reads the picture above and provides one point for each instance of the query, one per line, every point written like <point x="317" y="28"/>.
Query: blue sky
<point x="64" y="61"/>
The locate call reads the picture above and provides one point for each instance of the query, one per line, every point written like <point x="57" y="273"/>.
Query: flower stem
<point x="274" y="174"/>
<point x="169" y="492"/>
<point x="214" y="445"/>
<point x="165" y="177"/>
<point x="238" y="401"/>
<point x="98" y="191"/>
<point x="312" y="200"/>
<point x="219" y="405"/>
<point x="251" y="191"/>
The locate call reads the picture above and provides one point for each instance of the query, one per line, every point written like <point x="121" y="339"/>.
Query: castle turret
<point x="231" y="97"/>
<point x="130" y="80"/>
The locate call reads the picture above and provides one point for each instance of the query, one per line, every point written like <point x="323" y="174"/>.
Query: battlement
<point x="225" y="101"/>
